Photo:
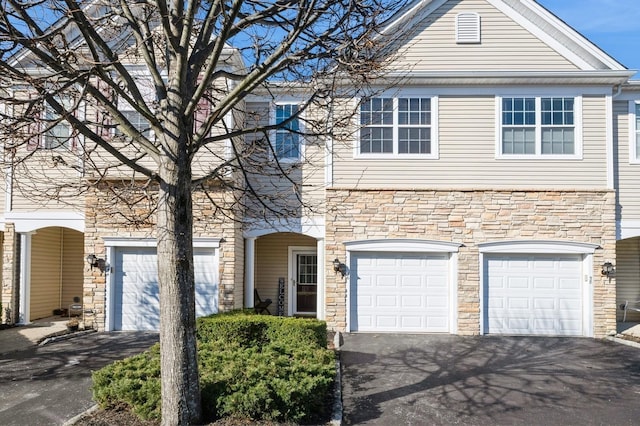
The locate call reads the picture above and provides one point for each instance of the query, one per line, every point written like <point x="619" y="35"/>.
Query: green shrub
<point x="134" y="381"/>
<point x="281" y="381"/>
<point x="251" y="366"/>
<point x="256" y="330"/>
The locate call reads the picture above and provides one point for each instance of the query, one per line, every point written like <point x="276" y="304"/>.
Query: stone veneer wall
<point x="109" y="216"/>
<point x="469" y="218"/>
<point x="10" y="282"/>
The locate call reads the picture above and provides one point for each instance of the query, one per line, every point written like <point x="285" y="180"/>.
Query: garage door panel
<point x="387" y="322"/>
<point x="399" y="292"/>
<point x="385" y="281"/>
<point x="518" y="282"/>
<point x="412" y="301"/>
<point x="387" y="302"/>
<point x="543" y="294"/>
<point x="411" y="281"/>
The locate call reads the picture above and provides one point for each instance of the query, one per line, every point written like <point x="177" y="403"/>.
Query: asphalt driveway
<point x="48" y="385"/>
<point x="444" y="379"/>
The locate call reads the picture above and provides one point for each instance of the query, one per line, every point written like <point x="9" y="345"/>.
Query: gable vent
<point x="468" y="28"/>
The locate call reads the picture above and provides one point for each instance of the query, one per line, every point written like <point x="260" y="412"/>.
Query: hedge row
<point x="251" y="366"/>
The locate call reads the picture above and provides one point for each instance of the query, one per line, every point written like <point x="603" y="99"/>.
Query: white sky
<point x="613" y="25"/>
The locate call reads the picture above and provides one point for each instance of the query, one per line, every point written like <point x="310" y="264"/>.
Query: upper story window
<point x="396" y="127"/>
<point x="539" y="127"/>
<point x="287" y="137"/>
<point x="140" y="123"/>
<point x="57" y="134"/>
<point x="634" y="133"/>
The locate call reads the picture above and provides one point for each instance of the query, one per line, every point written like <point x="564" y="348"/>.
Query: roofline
<point x="507" y="77"/>
<point x="574" y="34"/>
<point x="422" y="8"/>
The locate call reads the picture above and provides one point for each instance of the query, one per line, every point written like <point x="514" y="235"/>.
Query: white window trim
<point x="42" y="142"/>
<point x="272" y="134"/>
<point x="577" y="124"/>
<point x="634" y="155"/>
<point x="434" y="155"/>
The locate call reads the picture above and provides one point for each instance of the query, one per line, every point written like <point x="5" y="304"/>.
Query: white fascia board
<point x="501" y="90"/>
<point x="32" y="221"/>
<point x="312" y="226"/>
<point x="629" y="229"/>
<point x="535" y="246"/>
<point x="403" y="245"/>
<point x="553" y="21"/>
<point x="506" y="77"/>
<point x="414" y="14"/>
<point x="575" y="36"/>
<point x="204" y="242"/>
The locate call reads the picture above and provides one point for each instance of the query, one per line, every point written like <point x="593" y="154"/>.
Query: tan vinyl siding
<point x="298" y="188"/>
<point x="73" y="265"/>
<point x="272" y="263"/>
<point x="467" y="155"/>
<point x="46" y="277"/>
<point x="628" y="275"/>
<point x="505" y="45"/>
<point x="47" y="180"/>
<point x="56" y="270"/>
<point x="628" y="174"/>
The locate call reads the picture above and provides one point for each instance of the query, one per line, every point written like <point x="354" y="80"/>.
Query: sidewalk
<point x="25" y="336"/>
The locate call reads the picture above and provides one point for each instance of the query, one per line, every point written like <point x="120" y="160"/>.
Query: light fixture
<point x="608" y="269"/>
<point x="93" y="261"/>
<point x="339" y="267"/>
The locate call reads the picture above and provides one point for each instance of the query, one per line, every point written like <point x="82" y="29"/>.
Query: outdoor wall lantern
<point x="95" y="262"/>
<point x="92" y="260"/>
<point x="608" y="269"/>
<point x="339" y="267"/>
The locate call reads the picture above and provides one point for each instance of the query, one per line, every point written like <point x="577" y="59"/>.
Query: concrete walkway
<point x="26" y="336"/>
<point x="629" y="329"/>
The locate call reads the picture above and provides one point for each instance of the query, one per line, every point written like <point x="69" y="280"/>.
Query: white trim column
<point x="249" y="271"/>
<point x="320" y="289"/>
<point x="25" y="277"/>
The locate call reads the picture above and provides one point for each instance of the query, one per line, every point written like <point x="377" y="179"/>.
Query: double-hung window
<point x="140" y="123"/>
<point x="538" y="126"/>
<point x="401" y="127"/>
<point x="634" y="132"/>
<point x="57" y="133"/>
<point x="287" y="136"/>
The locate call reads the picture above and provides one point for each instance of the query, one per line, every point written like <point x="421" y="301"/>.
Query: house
<point x="481" y="188"/>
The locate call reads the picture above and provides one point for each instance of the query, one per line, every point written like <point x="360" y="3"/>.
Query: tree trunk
<point x="181" y="403"/>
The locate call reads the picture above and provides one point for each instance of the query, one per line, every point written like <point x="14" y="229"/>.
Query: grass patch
<point x="255" y="367"/>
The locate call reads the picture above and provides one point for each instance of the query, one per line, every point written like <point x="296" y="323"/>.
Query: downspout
<point x="61" y="266"/>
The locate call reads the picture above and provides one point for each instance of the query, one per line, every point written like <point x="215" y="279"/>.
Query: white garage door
<point x="136" y="293"/>
<point x="399" y="292"/>
<point x="533" y="294"/>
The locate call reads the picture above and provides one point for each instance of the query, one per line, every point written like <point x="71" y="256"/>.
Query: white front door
<point x="303" y="266"/>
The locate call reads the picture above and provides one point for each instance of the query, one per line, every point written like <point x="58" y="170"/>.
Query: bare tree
<point x="181" y="68"/>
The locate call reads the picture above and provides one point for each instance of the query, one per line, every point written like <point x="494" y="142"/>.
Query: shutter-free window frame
<point x="468" y="28"/>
